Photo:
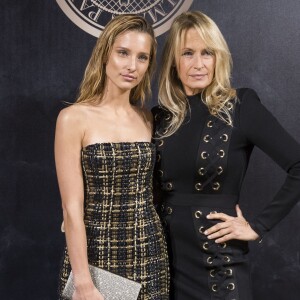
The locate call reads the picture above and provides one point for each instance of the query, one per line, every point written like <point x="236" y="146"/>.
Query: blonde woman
<point x="205" y="131"/>
<point x="104" y="159"/>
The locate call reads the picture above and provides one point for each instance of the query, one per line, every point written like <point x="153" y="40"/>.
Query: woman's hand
<point x="232" y="228"/>
<point x="90" y="294"/>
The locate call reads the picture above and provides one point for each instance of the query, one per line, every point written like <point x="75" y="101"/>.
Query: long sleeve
<point x="262" y="129"/>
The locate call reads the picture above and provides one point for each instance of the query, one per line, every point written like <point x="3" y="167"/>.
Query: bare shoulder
<point x="74" y="115"/>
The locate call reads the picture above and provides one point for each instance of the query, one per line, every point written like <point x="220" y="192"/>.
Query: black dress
<point x="200" y="169"/>
<point x="124" y="233"/>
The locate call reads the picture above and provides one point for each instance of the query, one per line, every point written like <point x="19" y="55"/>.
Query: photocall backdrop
<point x="45" y="46"/>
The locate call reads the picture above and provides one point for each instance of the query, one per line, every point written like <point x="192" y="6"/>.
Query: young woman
<point x="104" y="159"/>
<point x="205" y="133"/>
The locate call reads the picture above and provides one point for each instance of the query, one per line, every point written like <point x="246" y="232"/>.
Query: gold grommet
<point x="209" y="260"/>
<point x="221" y="153"/>
<point x="206" y="138"/>
<point x="226" y="258"/>
<point x="169" y="210"/>
<point x="212" y="273"/>
<point x="205" y="246"/>
<point x="160" y="143"/>
<point x="201" y="229"/>
<point x="231" y="286"/>
<point x="214" y="288"/>
<point x="198" y="214"/>
<point x="223" y="245"/>
<point x="158" y="157"/>
<point x="209" y="124"/>
<point x="169" y="186"/>
<point x="216" y="186"/>
<point x="160" y="173"/>
<point x="224" y="137"/>
<point x="198" y="186"/>
<point x="168" y="117"/>
<point x="229" y="105"/>
<point x="201" y="171"/>
<point x="228" y="272"/>
<point x="219" y="170"/>
<point x="204" y="155"/>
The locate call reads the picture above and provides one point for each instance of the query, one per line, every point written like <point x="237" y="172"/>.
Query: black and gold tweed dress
<point x="124" y="234"/>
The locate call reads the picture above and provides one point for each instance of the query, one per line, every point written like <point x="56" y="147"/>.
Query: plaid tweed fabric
<point x="124" y="234"/>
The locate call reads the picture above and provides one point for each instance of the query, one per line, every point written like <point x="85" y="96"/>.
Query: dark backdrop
<point x="43" y="56"/>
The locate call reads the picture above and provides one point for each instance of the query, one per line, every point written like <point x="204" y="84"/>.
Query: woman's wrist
<point x="83" y="281"/>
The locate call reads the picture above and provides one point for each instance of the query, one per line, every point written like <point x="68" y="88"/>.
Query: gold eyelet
<point x="160" y="143"/>
<point x="158" y="157"/>
<point x="223" y="245"/>
<point x="169" y="210"/>
<point x="216" y="186"/>
<point x="219" y="170"/>
<point x="228" y="272"/>
<point x="201" y="229"/>
<point x="209" y="124"/>
<point x="169" y="186"/>
<point x="198" y="186"/>
<point x="160" y="173"/>
<point x="231" y="286"/>
<point x="204" y="155"/>
<point x="205" y="246"/>
<point x="214" y="288"/>
<point x="224" y="137"/>
<point x="226" y="259"/>
<point x="201" y="171"/>
<point x="206" y="138"/>
<point x="221" y="153"/>
<point x="229" y="105"/>
<point x="168" y="117"/>
<point x="209" y="260"/>
<point x="212" y="273"/>
<point x="198" y="214"/>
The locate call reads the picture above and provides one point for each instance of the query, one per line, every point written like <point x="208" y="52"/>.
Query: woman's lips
<point x="128" y="77"/>
<point x="198" y="76"/>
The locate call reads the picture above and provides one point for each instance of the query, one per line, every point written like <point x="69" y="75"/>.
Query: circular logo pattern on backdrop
<point x="92" y="15"/>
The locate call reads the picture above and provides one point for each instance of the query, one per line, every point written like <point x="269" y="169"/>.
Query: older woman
<point x="205" y="133"/>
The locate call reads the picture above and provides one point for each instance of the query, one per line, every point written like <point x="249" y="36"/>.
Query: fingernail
<point x="209" y="237"/>
<point x="206" y="232"/>
<point x="208" y="216"/>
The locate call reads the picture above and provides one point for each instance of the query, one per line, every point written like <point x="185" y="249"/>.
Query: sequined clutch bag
<point x="111" y="286"/>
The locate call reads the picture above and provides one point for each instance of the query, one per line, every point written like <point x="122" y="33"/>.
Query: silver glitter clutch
<point x="111" y="286"/>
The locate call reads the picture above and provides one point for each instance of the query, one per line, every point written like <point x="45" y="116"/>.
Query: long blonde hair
<point x="92" y="86"/>
<point x="171" y="92"/>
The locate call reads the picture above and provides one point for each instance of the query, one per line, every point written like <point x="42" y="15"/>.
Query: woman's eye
<point x="143" y="58"/>
<point x="122" y="52"/>
<point x="187" y="53"/>
<point x="207" y="52"/>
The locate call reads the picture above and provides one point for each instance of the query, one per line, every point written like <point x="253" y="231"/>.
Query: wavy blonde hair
<point x="93" y="84"/>
<point x="171" y="92"/>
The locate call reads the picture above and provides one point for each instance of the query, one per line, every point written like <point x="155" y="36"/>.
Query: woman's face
<point x="128" y="61"/>
<point x="196" y="63"/>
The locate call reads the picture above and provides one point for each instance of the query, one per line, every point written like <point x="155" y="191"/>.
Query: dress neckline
<point x="116" y="143"/>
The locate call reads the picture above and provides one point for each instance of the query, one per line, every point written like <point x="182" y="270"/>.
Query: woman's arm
<point x="68" y="144"/>
<point x="263" y="130"/>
